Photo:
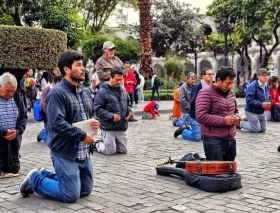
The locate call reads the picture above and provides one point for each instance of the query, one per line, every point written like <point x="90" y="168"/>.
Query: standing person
<point x="155" y="86"/>
<point x="44" y="132"/>
<point x="95" y="83"/>
<point x="67" y="103"/>
<point x="129" y="82"/>
<point x="136" y="86"/>
<point x="192" y="130"/>
<point x="55" y="71"/>
<point x="141" y="88"/>
<point x="28" y="85"/>
<point x="215" y="110"/>
<point x="106" y="62"/>
<point x="112" y="108"/>
<point x="13" y="119"/>
<point x="185" y="92"/>
<point x="44" y="81"/>
<point x="257" y="99"/>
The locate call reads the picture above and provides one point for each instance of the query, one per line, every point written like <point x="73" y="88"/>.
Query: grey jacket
<point x="185" y="101"/>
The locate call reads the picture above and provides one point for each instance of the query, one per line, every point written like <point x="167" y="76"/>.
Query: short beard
<point x="76" y="79"/>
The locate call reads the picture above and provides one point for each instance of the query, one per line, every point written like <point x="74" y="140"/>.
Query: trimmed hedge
<point x="28" y="47"/>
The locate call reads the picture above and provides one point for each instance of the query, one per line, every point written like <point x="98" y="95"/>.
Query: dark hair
<point x="225" y="72"/>
<point x="56" y="78"/>
<point x="116" y="71"/>
<point x="126" y="62"/>
<point x="203" y="72"/>
<point x="272" y="80"/>
<point x="46" y="76"/>
<point x="66" y="60"/>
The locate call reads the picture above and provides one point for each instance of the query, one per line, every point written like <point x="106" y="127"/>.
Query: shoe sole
<point x="30" y="173"/>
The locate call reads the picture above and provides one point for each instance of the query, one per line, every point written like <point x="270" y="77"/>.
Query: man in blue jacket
<point x="111" y="105"/>
<point x="67" y="103"/>
<point x="257" y="99"/>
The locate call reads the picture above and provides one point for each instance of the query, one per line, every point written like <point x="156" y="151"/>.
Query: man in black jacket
<point x="111" y="105"/>
<point x="13" y="118"/>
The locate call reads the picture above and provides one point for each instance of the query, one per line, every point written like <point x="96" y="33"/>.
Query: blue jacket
<point x="109" y="101"/>
<point x="63" y="109"/>
<point x="255" y="96"/>
<point x="195" y="89"/>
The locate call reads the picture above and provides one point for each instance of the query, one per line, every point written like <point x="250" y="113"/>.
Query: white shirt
<point x="142" y="81"/>
<point x="95" y="77"/>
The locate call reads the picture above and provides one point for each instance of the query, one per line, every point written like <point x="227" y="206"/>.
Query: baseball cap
<point x="108" y="45"/>
<point x="262" y="71"/>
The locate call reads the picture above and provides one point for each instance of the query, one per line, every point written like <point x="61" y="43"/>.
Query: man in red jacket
<point x="216" y="111"/>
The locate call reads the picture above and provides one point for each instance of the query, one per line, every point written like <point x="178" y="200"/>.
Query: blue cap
<point x="156" y="105"/>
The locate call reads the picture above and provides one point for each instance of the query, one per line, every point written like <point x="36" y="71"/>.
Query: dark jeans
<point x="136" y="97"/>
<point x="131" y="98"/>
<point x="219" y="150"/>
<point x="9" y="157"/>
<point x="153" y="93"/>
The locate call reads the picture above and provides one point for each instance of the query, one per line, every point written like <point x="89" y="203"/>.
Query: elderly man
<point x="257" y="99"/>
<point x="106" y="62"/>
<point x="13" y="118"/>
<point x="185" y="92"/>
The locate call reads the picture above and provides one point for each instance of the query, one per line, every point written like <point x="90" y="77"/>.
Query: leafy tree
<point x="97" y="12"/>
<point x="174" y="67"/>
<point x="255" y="19"/>
<point x="174" y="24"/>
<point x="125" y="50"/>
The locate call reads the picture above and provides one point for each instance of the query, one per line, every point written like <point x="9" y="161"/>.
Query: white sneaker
<point x="136" y="105"/>
<point x="141" y="101"/>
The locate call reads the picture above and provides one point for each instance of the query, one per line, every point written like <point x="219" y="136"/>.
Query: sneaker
<point x="132" y="120"/>
<point x="136" y="105"/>
<point x="24" y="189"/>
<point x="141" y="101"/>
<point x="144" y="117"/>
<point x="94" y="145"/>
<point x="179" y="131"/>
<point x="278" y="149"/>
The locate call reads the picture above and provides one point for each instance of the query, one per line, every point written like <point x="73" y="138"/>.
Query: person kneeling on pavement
<point x="112" y="108"/>
<point x="151" y="110"/>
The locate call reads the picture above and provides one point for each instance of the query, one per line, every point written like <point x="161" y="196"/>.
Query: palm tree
<point x="145" y="37"/>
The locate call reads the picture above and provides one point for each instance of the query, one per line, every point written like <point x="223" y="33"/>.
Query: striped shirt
<point x="83" y="149"/>
<point x="8" y="113"/>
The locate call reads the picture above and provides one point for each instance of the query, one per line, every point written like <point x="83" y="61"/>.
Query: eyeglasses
<point x="265" y="75"/>
<point x="210" y="74"/>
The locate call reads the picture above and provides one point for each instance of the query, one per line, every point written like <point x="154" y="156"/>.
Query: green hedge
<point x="28" y="47"/>
<point x="165" y="95"/>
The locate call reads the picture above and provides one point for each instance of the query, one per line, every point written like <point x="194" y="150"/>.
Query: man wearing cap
<point x="107" y="61"/>
<point x="257" y="99"/>
<point x="185" y="92"/>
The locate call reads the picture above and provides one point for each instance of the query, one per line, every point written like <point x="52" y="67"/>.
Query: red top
<point x="150" y="108"/>
<point x="129" y="77"/>
<point x="274" y="95"/>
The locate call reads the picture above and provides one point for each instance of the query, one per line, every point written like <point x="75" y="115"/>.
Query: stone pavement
<point x="128" y="183"/>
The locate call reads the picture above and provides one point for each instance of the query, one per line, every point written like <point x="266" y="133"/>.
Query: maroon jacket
<point x="212" y="105"/>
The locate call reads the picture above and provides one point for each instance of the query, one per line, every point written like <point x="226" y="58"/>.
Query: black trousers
<point x="9" y="156"/>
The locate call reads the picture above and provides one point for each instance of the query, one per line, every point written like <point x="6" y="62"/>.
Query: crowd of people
<point x="204" y="110"/>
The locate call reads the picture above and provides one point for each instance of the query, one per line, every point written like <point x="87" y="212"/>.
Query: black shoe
<point x="278" y="149"/>
<point x="25" y="189"/>
<point x="94" y="145"/>
<point x="144" y="117"/>
<point x="38" y="138"/>
<point x="179" y="131"/>
<point x="132" y="120"/>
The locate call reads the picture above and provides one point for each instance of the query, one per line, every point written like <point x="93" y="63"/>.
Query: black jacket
<point x="107" y="103"/>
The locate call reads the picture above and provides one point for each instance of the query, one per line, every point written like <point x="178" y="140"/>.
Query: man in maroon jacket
<point x="215" y="111"/>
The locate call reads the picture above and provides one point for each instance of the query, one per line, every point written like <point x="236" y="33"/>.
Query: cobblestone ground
<point x="128" y="183"/>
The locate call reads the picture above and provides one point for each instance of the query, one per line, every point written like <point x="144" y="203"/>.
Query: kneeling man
<point x="111" y="105"/>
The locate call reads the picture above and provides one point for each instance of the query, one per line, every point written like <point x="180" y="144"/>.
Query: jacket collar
<point x="218" y="90"/>
<point x="70" y="86"/>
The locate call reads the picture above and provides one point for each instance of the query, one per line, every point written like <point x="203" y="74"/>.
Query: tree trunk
<point x="249" y="62"/>
<point x="145" y="38"/>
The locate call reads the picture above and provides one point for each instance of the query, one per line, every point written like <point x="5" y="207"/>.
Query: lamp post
<point x="225" y="26"/>
<point x="193" y="45"/>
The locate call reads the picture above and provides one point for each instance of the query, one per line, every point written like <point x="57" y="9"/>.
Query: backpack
<point x="38" y="113"/>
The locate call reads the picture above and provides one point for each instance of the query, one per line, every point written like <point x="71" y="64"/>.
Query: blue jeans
<point x="183" y="121"/>
<point x="219" y="150"/>
<point x="192" y="134"/>
<point x="73" y="179"/>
